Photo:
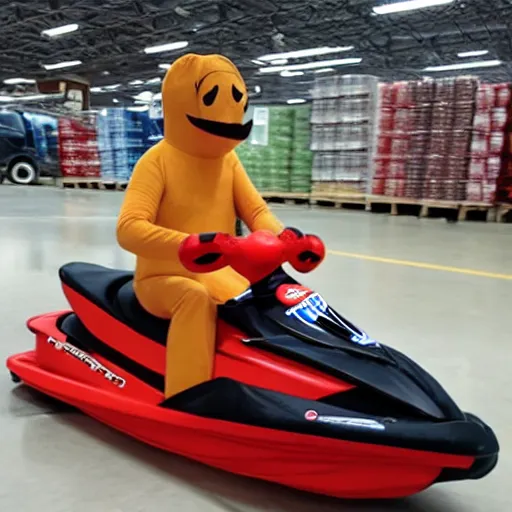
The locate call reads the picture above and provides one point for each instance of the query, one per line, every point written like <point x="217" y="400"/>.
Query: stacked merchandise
<point x="452" y="116"/>
<point x="123" y="138"/>
<point x="302" y="156"/>
<point x="488" y="140"/>
<point x="78" y="147"/>
<point x="266" y="155"/>
<point x="424" y="139"/>
<point x="395" y="135"/>
<point x="343" y="134"/>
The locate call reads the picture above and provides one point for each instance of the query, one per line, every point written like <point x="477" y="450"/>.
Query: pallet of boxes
<point x="343" y="122"/>
<point x="266" y="155"/>
<point x="78" y="151"/>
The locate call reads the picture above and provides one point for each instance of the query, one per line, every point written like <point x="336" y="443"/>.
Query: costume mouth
<point x="233" y="131"/>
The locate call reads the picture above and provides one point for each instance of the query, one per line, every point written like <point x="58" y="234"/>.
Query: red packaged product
<point x="402" y="120"/>
<point x="498" y="119"/>
<point x="485" y="97"/>
<point x="477" y="168"/>
<point x="386" y="119"/>
<point x="493" y="168"/>
<point x="496" y="141"/>
<point x="384" y="145"/>
<point x="381" y="168"/>
<point x="399" y="147"/>
<point x="502" y="94"/>
<point x="482" y="121"/>
<point x="378" y="186"/>
<point x="479" y="144"/>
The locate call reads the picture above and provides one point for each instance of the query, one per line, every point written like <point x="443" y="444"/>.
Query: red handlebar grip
<point x="307" y="253"/>
<point x="203" y="253"/>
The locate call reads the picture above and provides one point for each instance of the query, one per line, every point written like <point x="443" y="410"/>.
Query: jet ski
<point x="300" y="395"/>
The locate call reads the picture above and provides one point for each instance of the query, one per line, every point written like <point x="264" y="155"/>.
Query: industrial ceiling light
<point x="289" y="74"/>
<point x="166" y="47"/>
<point x="474" y="53"/>
<point x="64" y="64"/>
<point x="312" y="65"/>
<point x="258" y="62"/>
<point x="111" y="87"/>
<point x="408" y="5"/>
<point x="59" y="31"/>
<point x="115" y="100"/>
<point x="324" y="70"/>
<point x="16" y="81"/>
<point x="295" y="101"/>
<point x="257" y="89"/>
<point x="164" y="66"/>
<point x="310" y="52"/>
<point x="136" y="82"/>
<point x="465" y="65"/>
<point x="279" y="62"/>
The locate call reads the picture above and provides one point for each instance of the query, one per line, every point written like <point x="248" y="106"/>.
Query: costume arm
<point x="250" y="206"/>
<point x="136" y="229"/>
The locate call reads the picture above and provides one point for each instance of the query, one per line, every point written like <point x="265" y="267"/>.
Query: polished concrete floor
<point x="457" y="325"/>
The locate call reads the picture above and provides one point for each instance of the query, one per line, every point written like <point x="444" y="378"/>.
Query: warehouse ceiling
<point x="112" y="35"/>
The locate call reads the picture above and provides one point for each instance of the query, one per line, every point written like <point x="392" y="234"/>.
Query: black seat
<point x="112" y="291"/>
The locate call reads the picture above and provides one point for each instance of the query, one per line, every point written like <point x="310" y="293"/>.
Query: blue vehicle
<point x="24" y="151"/>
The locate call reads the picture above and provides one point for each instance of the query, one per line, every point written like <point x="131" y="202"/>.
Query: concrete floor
<point x="456" y="325"/>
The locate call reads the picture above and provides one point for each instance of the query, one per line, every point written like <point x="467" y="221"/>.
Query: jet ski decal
<point x="314" y="306"/>
<point x="87" y="359"/>
<point x="312" y="415"/>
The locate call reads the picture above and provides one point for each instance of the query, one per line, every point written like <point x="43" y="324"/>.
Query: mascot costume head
<point x="204" y="101"/>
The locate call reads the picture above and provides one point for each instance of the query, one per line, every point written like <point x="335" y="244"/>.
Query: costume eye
<point x="209" y="97"/>
<point x="237" y="95"/>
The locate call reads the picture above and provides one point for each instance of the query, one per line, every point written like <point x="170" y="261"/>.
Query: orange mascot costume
<point x="191" y="182"/>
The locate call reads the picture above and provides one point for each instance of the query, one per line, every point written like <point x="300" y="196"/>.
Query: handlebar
<point x="255" y="256"/>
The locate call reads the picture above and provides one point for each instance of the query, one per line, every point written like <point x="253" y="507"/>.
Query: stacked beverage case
<point x="425" y="131"/>
<point x="78" y="147"/>
<point x="504" y="183"/>
<point x="302" y="157"/>
<point x="488" y="141"/>
<point x="279" y="162"/>
<point x="343" y="134"/>
<point x="123" y="136"/>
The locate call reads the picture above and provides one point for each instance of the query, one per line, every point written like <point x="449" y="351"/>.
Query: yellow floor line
<point x="418" y="264"/>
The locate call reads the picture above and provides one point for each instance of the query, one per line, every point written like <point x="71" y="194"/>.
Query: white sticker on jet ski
<point x="87" y="359"/>
<point x="312" y="415"/>
<point x="309" y="309"/>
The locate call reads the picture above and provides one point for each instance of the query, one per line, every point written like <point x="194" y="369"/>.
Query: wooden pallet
<point x="91" y="184"/>
<point x="348" y="201"/>
<point x="504" y="212"/>
<point x="286" y="197"/>
<point x="454" y="210"/>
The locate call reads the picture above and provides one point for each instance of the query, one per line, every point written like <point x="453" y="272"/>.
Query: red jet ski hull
<point x="334" y="467"/>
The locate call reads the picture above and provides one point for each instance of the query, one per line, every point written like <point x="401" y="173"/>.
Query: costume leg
<point x="223" y="284"/>
<point x="191" y="338"/>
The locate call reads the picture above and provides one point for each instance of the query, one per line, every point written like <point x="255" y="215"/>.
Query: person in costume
<point x="191" y="182"/>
